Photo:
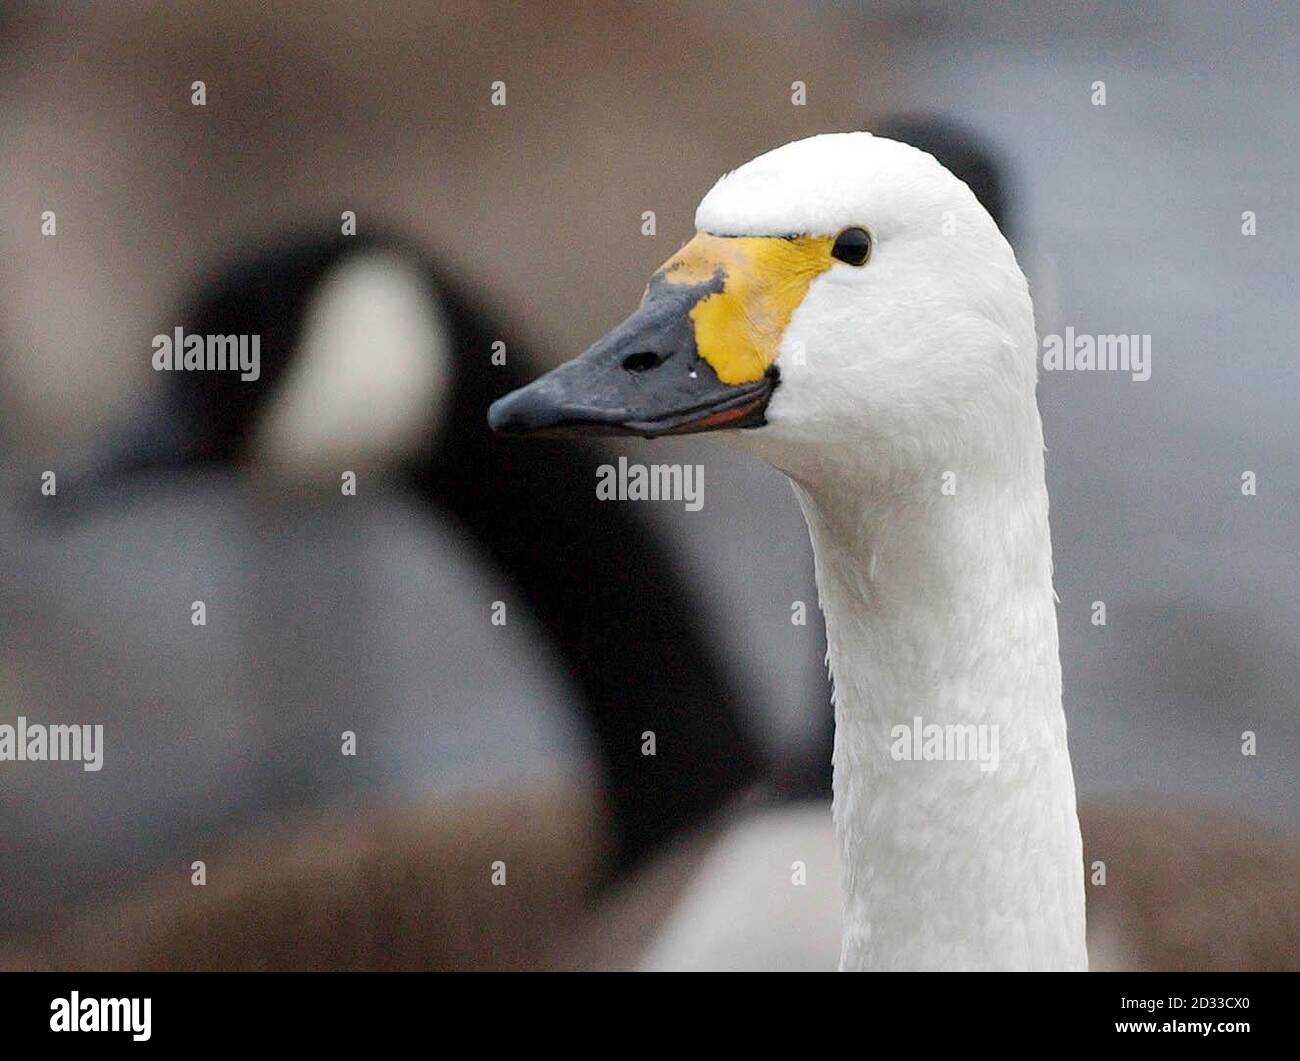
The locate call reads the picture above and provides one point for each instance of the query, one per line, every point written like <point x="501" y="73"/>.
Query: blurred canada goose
<point x="370" y="361"/>
<point x="416" y="402"/>
<point x="850" y="303"/>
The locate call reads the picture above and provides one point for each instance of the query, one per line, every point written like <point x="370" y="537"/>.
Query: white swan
<point x="853" y="316"/>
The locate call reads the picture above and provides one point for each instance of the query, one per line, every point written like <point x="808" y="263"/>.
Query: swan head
<point x="844" y="294"/>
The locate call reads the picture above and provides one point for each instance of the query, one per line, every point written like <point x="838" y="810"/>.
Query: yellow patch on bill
<point x="764" y="278"/>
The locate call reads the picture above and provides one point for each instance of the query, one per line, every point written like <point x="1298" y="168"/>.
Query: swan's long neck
<point x="939" y="608"/>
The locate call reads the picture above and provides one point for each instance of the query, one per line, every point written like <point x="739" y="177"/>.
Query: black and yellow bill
<point x="699" y="353"/>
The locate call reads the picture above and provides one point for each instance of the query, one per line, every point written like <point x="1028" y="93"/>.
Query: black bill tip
<point x="540" y="409"/>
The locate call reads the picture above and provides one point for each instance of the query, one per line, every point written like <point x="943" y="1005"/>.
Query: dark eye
<point x="853" y="245"/>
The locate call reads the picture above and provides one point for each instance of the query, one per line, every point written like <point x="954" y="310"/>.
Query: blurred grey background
<point x="1126" y="217"/>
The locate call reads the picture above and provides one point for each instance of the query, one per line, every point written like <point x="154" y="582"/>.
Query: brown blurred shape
<point x="1191" y="888"/>
<point x="388" y="889"/>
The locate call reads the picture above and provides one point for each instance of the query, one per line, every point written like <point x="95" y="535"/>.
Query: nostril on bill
<point x="643" y="361"/>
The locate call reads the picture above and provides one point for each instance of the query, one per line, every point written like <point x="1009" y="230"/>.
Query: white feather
<point x="919" y="370"/>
